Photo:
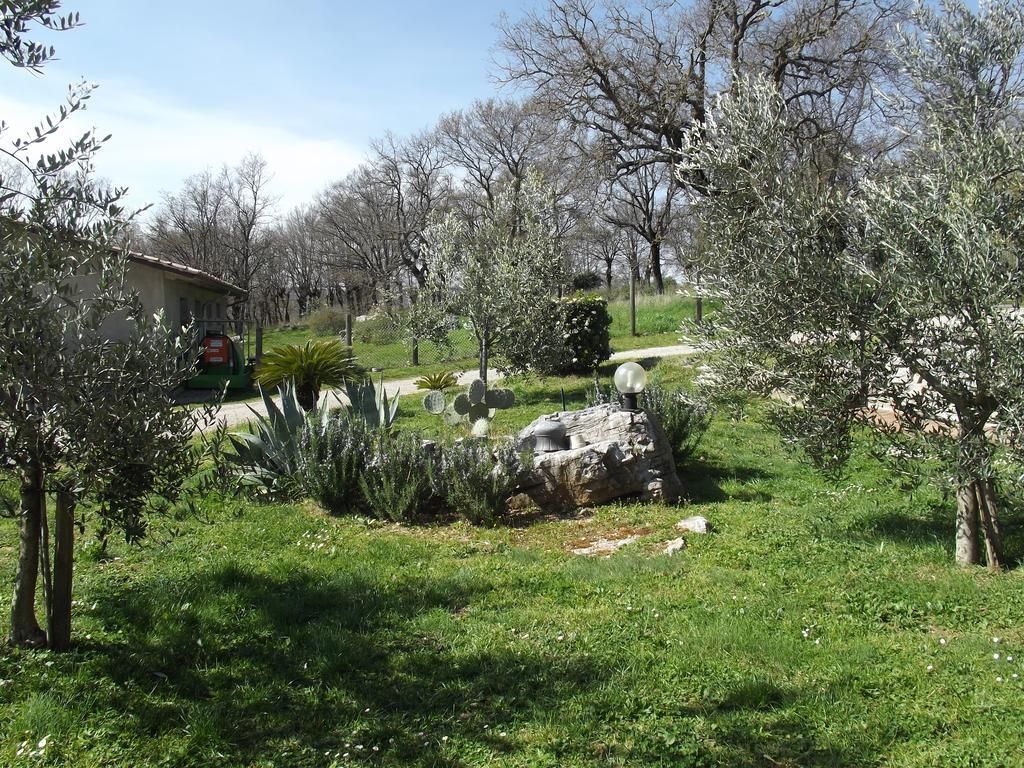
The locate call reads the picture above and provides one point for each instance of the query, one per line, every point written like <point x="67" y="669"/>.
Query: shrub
<point x="570" y="335"/>
<point x="587" y="281"/>
<point x="684" y="419"/>
<point x="327" y="321"/>
<point x="586" y="335"/>
<point x="331" y="460"/>
<point x="317" y="363"/>
<point x="379" y="330"/>
<point x="397" y="481"/>
<point x="477" y="478"/>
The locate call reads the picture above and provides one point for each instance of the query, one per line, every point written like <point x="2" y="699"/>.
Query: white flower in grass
<point x="995" y="656"/>
<point x="931" y="668"/>
<point x="997" y="640"/>
<point x="999" y="679"/>
<point x="942" y="641"/>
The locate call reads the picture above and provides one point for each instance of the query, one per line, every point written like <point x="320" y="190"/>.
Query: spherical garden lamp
<point x="630" y="379"/>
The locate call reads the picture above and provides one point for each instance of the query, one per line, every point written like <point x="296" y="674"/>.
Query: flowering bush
<point x="331" y="459"/>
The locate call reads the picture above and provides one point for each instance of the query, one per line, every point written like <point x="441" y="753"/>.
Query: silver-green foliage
<point x="495" y="272"/>
<point x="332" y="457"/>
<point x="371" y="404"/>
<point x="478" y="478"/>
<point x="884" y="286"/>
<point x="266" y="453"/>
<point x="397" y="481"/>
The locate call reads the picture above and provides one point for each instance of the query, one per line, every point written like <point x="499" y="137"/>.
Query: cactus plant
<point x="476" y="406"/>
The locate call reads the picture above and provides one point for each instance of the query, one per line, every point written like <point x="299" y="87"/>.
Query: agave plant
<point x="440" y="381"/>
<point x="371" y="405"/>
<point x="316" y="364"/>
<point x="268" y="454"/>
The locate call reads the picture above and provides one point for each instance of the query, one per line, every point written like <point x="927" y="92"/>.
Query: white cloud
<point x="155" y="145"/>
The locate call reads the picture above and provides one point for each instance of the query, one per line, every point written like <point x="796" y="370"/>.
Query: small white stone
<point x="676" y="545"/>
<point x="695" y="524"/>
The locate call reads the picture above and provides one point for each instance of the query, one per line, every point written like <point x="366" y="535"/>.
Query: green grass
<point x="658" y="322"/>
<point x="273" y="635"/>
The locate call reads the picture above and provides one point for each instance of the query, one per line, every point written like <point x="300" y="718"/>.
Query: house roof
<point x="187" y="273"/>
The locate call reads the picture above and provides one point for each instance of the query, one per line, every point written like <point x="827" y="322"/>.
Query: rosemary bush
<point x="397" y="482"/>
<point x="477" y="478"/>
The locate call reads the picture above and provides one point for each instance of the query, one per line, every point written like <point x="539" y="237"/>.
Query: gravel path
<point x="239" y="413"/>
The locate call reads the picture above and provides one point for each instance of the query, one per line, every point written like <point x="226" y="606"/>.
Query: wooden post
<point x="415" y="351"/>
<point x="632" y="303"/>
<point x="58" y="618"/>
<point x="348" y="329"/>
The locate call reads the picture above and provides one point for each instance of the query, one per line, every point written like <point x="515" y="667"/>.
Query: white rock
<point x="695" y="524"/>
<point x="604" y="546"/>
<point x="676" y="545"/>
<point x="626" y="454"/>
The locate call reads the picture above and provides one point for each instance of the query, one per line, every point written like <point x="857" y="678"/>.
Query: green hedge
<point x="586" y="334"/>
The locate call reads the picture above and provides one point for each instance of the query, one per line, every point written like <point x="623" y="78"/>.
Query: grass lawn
<point x="658" y="321"/>
<point x="819" y="625"/>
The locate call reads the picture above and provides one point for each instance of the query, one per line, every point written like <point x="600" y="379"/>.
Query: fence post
<point x="632" y="303"/>
<point x="348" y="329"/>
<point x="415" y="351"/>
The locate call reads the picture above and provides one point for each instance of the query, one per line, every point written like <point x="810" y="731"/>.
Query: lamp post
<point x="630" y="379"/>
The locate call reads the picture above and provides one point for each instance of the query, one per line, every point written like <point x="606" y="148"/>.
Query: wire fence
<point x="380" y="341"/>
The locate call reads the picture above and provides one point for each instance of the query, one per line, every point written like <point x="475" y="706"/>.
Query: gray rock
<point x="695" y="524"/>
<point x="626" y="454"/>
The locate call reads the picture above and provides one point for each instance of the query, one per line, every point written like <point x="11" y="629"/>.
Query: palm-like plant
<point x="440" y="381"/>
<point x="316" y="364"/>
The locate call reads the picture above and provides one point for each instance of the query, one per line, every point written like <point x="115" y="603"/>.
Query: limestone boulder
<point x="620" y="454"/>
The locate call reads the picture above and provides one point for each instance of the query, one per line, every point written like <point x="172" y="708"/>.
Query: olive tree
<point x="83" y="419"/>
<point x="494" y="271"/>
<point x="879" y="294"/>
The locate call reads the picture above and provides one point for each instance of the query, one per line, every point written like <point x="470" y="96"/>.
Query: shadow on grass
<point x="255" y="663"/>
<point x="288" y="669"/>
<point x="934" y="524"/>
<point x="702" y="482"/>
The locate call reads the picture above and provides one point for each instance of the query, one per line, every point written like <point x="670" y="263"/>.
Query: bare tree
<point x="189" y="226"/>
<point x="302" y="251"/>
<point x="642" y="201"/>
<point x="640" y="78"/>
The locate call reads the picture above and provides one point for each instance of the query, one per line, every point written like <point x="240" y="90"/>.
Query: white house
<point x="183" y="293"/>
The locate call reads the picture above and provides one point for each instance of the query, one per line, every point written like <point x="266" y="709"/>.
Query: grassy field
<point x="818" y="625"/>
<point x="658" y="322"/>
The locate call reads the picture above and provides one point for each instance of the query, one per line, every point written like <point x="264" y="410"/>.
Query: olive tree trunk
<point x="968" y="551"/>
<point x="988" y="513"/>
<point x="25" y="630"/>
<point x="977" y="524"/>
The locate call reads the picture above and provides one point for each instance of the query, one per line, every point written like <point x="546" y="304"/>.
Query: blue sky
<point x="186" y="85"/>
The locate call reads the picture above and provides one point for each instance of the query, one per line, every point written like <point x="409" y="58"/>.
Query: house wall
<point x="159" y="290"/>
